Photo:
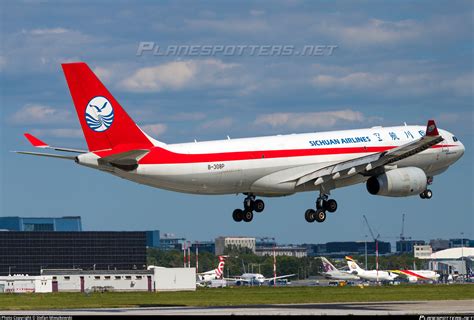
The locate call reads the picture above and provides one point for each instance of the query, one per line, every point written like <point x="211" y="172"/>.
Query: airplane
<point x="255" y="279"/>
<point x="395" y="161"/>
<point x="206" y="277"/>
<point x="331" y="272"/>
<point x="370" y="275"/>
<point x="414" y="276"/>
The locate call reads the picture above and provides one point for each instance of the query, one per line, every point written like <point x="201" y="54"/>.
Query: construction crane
<point x="402" y="235"/>
<point x="370" y="230"/>
<point x="376" y="238"/>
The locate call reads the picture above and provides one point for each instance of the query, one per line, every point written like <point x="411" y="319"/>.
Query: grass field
<point x="235" y="296"/>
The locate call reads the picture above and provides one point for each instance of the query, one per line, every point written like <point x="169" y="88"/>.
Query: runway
<point x="442" y="307"/>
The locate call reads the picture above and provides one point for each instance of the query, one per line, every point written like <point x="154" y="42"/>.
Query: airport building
<point x="407" y="246"/>
<point x="27" y="252"/>
<point x="78" y="280"/>
<point x="237" y="242"/>
<point x="72" y="223"/>
<point x="169" y="241"/>
<point x="289" y="251"/>
<point x="341" y="249"/>
<point x="204" y="246"/>
<point x="422" y="251"/>
<point x="453" y="261"/>
<point x="153" y="239"/>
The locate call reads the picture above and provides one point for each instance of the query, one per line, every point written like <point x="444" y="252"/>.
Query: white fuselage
<point x="374" y="275"/>
<point x="421" y="275"/>
<point x="254" y="278"/>
<point x="340" y="275"/>
<point x="264" y="166"/>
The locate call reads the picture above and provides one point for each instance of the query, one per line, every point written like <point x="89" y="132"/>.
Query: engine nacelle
<point x="400" y="182"/>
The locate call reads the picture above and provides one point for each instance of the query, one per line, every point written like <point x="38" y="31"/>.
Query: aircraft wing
<point x="374" y="163"/>
<point x="280" y="277"/>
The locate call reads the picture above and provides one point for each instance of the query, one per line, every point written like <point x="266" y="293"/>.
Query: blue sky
<point x="394" y="62"/>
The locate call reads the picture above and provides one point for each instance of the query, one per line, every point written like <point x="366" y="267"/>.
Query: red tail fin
<point x="431" y="129"/>
<point x="104" y="122"/>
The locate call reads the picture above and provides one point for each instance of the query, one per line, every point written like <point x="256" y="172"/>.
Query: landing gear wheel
<point x="258" y="205"/>
<point x="320" y="215"/>
<point x="247" y="216"/>
<point x="248" y="204"/>
<point x="310" y="215"/>
<point x="331" y="205"/>
<point x="238" y="215"/>
<point x="428" y="193"/>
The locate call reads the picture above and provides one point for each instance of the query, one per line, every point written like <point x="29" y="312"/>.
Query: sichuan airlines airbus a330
<point x="392" y="161"/>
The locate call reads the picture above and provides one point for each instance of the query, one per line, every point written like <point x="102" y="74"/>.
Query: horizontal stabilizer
<point x="50" y="155"/>
<point x="37" y="143"/>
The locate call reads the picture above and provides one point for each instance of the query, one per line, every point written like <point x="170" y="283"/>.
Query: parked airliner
<point x="204" y="278"/>
<point x="331" y="272"/>
<point x="414" y="276"/>
<point x="370" y="275"/>
<point x="392" y="161"/>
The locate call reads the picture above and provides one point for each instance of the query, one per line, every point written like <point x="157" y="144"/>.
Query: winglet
<point x="431" y="129"/>
<point x="349" y="258"/>
<point x="35" y="141"/>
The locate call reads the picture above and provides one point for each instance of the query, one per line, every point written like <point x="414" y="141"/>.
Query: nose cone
<point x="459" y="151"/>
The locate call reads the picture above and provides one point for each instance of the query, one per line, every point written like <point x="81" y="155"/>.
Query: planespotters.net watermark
<point x="152" y="48"/>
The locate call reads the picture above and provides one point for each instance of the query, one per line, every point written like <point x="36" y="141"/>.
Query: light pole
<point x="10" y="270"/>
<point x="462" y="256"/>
<point x="366" y="253"/>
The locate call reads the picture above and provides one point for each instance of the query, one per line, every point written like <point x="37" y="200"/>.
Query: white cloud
<point x="311" y="120"/>
<point x="257" y="13"/>
<point x="392" y="83"/>
<point x="58" y="133"/>
<point x="363" y="80"/>
<point x="188" y="116"/>
<point x="40" y="114"/>
<point x="3" y="63"/>
<point x="218" y="124"/>
<point x="155" y="129"/>
<point x="177" y="75"/>
<point x="50" y="31"/>
<point x="105" y="75"/>
<point x="374" y="31"/>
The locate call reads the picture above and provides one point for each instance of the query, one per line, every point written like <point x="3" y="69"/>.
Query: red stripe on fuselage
<point x="408" y="272"/>
<point x="158" y="155"/>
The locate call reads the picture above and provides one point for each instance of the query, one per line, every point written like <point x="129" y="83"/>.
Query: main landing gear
<point x="250" y="205"/>
<point x="427" y="194"/>
<point x="323" y="204"/>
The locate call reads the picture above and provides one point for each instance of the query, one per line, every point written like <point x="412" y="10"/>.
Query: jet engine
<point x="412" y="279"/>
<point x="400" y="182"/>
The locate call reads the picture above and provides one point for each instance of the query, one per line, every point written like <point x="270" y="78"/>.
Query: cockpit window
<point x="455" y="139"/>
